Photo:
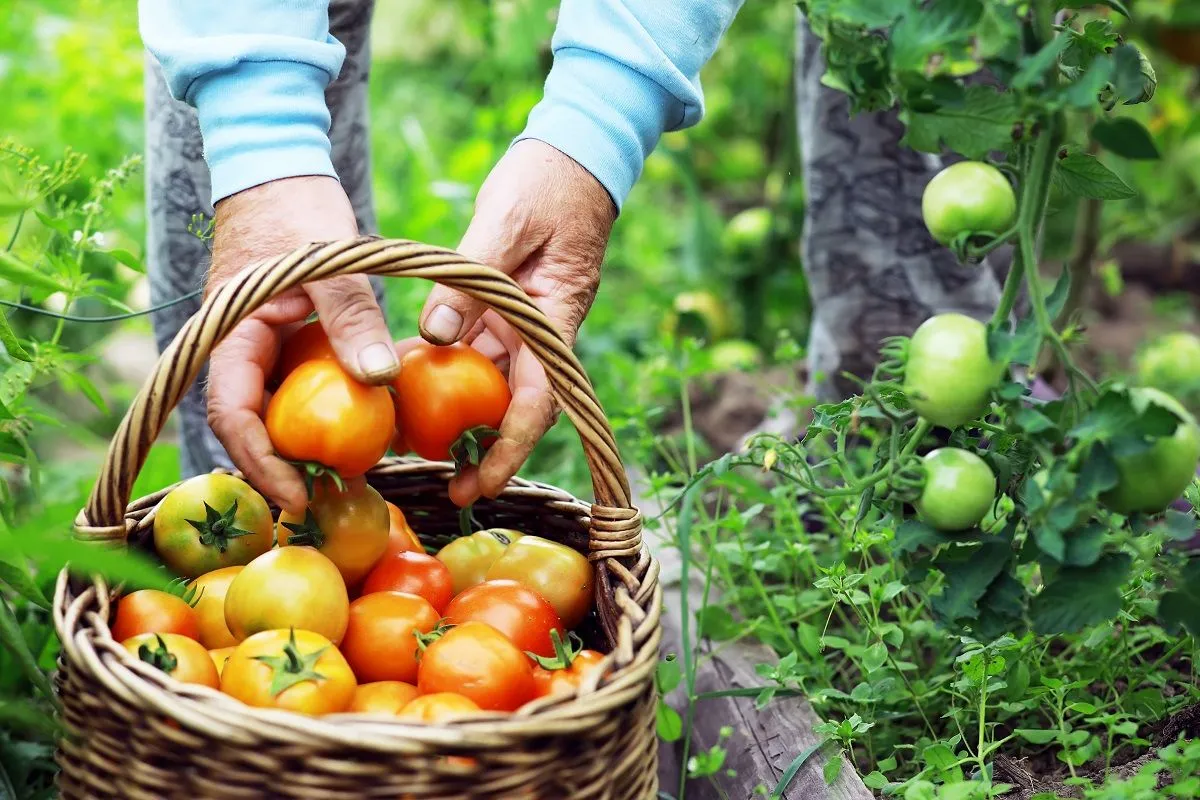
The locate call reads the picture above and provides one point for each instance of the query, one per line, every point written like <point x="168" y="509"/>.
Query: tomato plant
<point x="443" y="393"/>
<point x="970" y="198"/>
<point x="480" y="663"/>
<point x="414" y="573"/>
<point x="470" y="557"/>
<point x="181" y="657"/>
<point x="439" y="707"/>
<point x="385" y="698"/>
<point x="381" y="637"/>
<point x="154" y="611"/>
<point x="349" y="524"/>
<point x="959" y="489"/>
<point x="294" y="670"/>
<point x="517" y="611"/>
<point x="285" y="588"/>
<point x="321" y="417"/>
<point x="209" y="522"/>
<point x="555" y="571"/>
<point x="210" y="590"/>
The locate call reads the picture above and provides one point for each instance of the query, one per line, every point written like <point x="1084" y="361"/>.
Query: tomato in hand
<point x="295" y="670"/>
<point x="309" y="343"/>
<point x="470" y="557"/>
<point x="321" y="415"/>
<point x="517" y="611"/>
<point x="439" y="707"/>
<point x="401" y="537"/>
<point x="442" y="392"/>
<point x="382" y="697"/>
<point x="210" y="590"/>
<point x="209" y="522"/>
<point x="381" y="637"/>
<point x="959" y="489"/>
<point x="290" y="587"/>
<point x="220" y="656"/>
<point x="949" y="375"/>
<point x="182" y="658"/>
<point x="152" y="611"/>
<point x="1150" y="480"/>
<point x="349" y="526"/>
<point x="968" y="197"/>
<point x="480" y="663"/>
<point x="553" y="570"/>
<point x="414" y="573"/>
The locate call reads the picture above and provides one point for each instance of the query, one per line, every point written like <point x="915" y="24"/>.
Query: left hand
<point x="544" y="220"/>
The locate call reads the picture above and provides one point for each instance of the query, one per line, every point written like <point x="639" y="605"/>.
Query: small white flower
<point x="97" y="239"/>
<point x="77" y="237"/>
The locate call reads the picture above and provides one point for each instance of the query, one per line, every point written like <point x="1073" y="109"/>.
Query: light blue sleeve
<point x="625" y="72"/>
<point x="256" y="71"/>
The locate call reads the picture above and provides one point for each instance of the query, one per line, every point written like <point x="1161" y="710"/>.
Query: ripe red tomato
<point x="566" y="680"/>
<point x="381" y="637"/>
<point x="479" y="662"/>
<point x="442" y="392"/>
<point x="414" y="573"/>
<point x="348" y="526"/>
<point x="439" y="707"/>
<point x="553" y="570"/>
<point x="182" y="658"/>
<point x="321" y="415"/>
<point x="401" y="537"/>
<point x="152" y="611"/>
<point x="470" y="557"/>
<point x="517" y="611"/>
<point x="309" y="343"/>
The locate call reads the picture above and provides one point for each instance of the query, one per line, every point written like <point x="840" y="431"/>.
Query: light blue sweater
<point x="625" y="71"/>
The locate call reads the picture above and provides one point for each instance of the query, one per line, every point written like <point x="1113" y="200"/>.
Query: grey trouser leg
<point x="177" y="187"/>
<point x="873" y="269"/>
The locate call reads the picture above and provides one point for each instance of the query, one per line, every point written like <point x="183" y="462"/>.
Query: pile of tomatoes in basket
<point x="340" y="608"/>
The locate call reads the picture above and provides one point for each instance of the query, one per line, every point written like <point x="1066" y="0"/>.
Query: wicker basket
<point x="135" y="733"/>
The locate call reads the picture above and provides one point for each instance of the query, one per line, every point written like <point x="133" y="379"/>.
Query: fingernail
<point x="377" y="359"/>
<point x="443" y="324"/>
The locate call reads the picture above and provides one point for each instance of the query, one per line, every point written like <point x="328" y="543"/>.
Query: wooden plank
<point x="763" y="743"/>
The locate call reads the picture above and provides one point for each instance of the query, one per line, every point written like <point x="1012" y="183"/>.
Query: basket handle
<point x="614" y="521"/>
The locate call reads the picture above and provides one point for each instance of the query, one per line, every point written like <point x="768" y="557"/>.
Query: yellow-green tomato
<point x="949" y="376"/>
<point x="470" y="557"/>
<point x="968" y="197"/>
<point x="1150" y="480"/>
<point x="959" y="489"/>
<point x="1172" y="363"/>
<point x="210" y="522"/>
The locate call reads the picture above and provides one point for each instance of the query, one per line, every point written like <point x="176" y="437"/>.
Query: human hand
<point x="544" y="220"/>
<point x="265" y="222"/>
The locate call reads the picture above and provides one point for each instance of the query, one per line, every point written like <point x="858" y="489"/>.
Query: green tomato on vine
<point x="948" y="374"/>
<point x="969" y="197"/>
<point x="960" y="489"/>
<point x="1151" y="479"/>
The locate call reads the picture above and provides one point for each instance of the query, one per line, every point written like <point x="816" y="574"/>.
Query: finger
<point x="531" y="413"/>
<point x="464" y="488"/>
<point x="237" y="375"/>
<point x="403" y="346"/>
<point x="351" y="317"/>
<point x="498" y="238"/>
<point x="490" y="345"/>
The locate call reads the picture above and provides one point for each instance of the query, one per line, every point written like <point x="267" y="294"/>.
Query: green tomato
<point x="968" y="197"/>
<point x="949" y="376"/>
<point x="209" y="522"/>
<point x="959" y="489"/>
<point x="747" y="230"/>
<point x="1151" y="480"/>
<point x="700" y="315"/>
<point x="1172" y="363"/>
<point x="735" y="354"/>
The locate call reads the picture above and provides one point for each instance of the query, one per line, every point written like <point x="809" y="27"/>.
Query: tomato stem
<point x="565" y="653"/>
<point x="218" y="527"/>
<point x="159" y="657"/>
<point x="306" y="533"/>
<point x="291" y="666"/>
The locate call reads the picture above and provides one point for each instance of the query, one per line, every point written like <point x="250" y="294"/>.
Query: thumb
<point x="351" y="318"/>
<point x="493" y="238"/>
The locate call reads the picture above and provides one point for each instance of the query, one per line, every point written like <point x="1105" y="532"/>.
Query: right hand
<point x="265" y="222"/>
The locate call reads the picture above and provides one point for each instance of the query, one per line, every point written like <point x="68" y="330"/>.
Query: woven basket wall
<point x="135" y="733"/>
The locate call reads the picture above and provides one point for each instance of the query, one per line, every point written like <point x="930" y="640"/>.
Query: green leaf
<point x="1036" y="68"/>
<point x="1083" y="547"/>
<point x="14" y="642"/>
<point x="1034" y="736"/>
<point x="716" y="623"/>
<point x="913" y="534"/>
<point x="982" y="123"/>
<point x="1125" y="137"/>
<point x="128" y="259"/>
<point x="1179" y="526"/>
<point x="18" y="578"/>
<point x="1079" y="597"/>
<point x="870" y="14"/>
<point x="27" y="717"/>
<point x="1083" y="175"/>
<point x="18" y="272"/>
<point x="1001" y="609"/>
<point x="968" y="572"/>
<point x="668" y="675"/>
<point x="1085" y="91"/>
<point x="1033" y="421"/>
<point x="1134" y="79"/>
<point x="668" y="722"/>
<point x="10" y="341"/>
<point x="833" y="768"/>
<point x="1180" y="608"/>
<point x="1097" y="474"/>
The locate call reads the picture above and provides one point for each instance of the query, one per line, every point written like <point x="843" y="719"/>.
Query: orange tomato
<point x="401" y="537"/>
<point x="152" y="611"/>
<point x="291" y="587"/>
<point x="309" y="343"/>
<point x="480" y="663"/>
<point x="182" y="658"/>
<point x="470" y="557"/>
<point x="210" y="590"/>
<point x="553" y="570"/>
<point x="568" y="679"/>
<point x="439" y="707"/>
<point x="442" y="392"/>
<point x="220" y="656"/>
<point x="320" y="414"/>
<point x="382" y="697"/>
<point x="295" y="670"/>
<point x="414" y="573"/>
<point x="516" y="611"/>
<point x="381" y="638"/>
<point x="349" y="527"/>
